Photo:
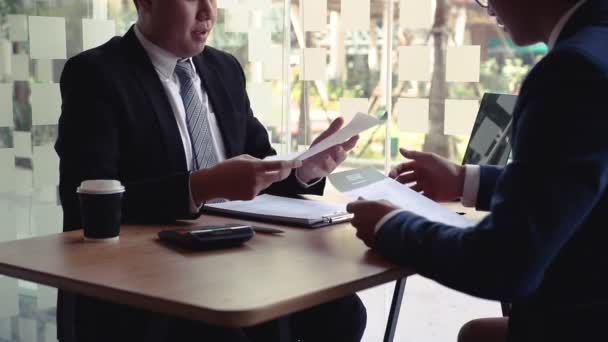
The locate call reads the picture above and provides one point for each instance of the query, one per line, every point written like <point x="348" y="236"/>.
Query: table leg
<point x="393" y="315"/>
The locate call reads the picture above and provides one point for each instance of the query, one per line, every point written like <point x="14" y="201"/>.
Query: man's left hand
<point x="326" y="162"/>
<point x="367" y="215"/>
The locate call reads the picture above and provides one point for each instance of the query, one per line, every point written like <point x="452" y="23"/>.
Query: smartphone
<point x="208" y="236"/>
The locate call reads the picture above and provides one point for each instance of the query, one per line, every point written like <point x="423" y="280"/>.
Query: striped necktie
<point x="197" y="120"/>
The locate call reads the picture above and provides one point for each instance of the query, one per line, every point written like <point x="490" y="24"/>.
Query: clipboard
<point x="283" y="210"/>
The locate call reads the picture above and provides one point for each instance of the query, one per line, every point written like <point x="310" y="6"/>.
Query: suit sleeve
<point x="488" y="177"/>
<point x="540" y="201"/>
<point x="258" y="145"/>
<point x="89" y="145"/>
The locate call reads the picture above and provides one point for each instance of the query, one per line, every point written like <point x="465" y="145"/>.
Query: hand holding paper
<point x="330" y="149"/>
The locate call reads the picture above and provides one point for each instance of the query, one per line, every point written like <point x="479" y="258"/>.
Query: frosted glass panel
<point x="47" y="37"/>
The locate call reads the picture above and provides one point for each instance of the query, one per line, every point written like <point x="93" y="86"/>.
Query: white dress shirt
<point x="164" y="63"/>
<point x="472" y="172"/>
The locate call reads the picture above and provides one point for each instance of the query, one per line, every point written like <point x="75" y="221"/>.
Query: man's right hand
<point x="238" y="178"/>
<point x="438" y="178"/>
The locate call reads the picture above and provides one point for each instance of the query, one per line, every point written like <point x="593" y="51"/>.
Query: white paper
<point x="236" y="19"/>
<point x="47" y="37"/>
<point x="23" y="144"/>
<point x="270" y="205"/>
<point x="361" y="122"/>
<point x="372" y="185"/>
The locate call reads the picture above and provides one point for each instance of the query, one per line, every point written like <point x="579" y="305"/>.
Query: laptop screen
<point x="489" y="143"/>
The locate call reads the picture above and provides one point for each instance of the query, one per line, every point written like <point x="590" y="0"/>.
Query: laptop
<point x="489" y="143"/>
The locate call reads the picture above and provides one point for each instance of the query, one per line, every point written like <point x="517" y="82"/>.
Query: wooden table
<point x="268" y="277"/>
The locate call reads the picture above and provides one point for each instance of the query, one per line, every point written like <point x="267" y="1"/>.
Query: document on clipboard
<point x="276" y="209"/>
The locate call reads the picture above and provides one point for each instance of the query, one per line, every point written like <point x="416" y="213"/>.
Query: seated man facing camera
<point x="170" y="118"/>
<point x="542" y="247"/>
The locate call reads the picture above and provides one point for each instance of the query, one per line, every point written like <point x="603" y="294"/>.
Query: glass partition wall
<point x="424" y="62"/>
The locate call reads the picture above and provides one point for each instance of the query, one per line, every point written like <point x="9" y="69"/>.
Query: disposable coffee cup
<point x="100" y="208"/>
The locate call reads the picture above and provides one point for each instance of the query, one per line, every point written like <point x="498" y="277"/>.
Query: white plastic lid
<point x="100" y="187"/>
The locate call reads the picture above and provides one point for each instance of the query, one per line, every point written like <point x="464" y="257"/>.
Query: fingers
<point x="333" y="128"/>
<point x="402" y="168"/>
<point x="278" y="165"/>
<point x="414" y="155"/>
<point x="350" y="143"/>
<point x="407" y="178"/>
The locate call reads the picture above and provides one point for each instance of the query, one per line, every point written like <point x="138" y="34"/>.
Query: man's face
<point x="518" y="18"/>
<point x="180" y="26"/>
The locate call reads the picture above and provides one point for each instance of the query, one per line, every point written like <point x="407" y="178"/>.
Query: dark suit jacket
<point x="117" y="123"/>
<point x="543" y="245"/>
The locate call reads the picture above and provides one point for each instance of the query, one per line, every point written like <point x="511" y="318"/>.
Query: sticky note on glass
<point x="47" y="37"/>
<point x="24" y="182"/>
<point x="46" y="103"/>
<point x="17" y="28"/>
<point x="272" y="66"/>
<point x="43" y="70"/>
<point x="236" y="19"/>
<point x="313" y="64"/>
<point x="45" y="166"/>
<point x="355" y="15"/>
<point x="47" y="219"/>
<point x="260" y="97"/>
<point x="413" y="115"/>
<point x="46" y="297"/>
<point x="460" y="116"/>
<point x="259" y="42"/>
<point x="9" y="297"/>
<point x="463" y="63"/>
<point x="6" y="105"/>
<point x="313" y="14"/>
<point x="349" y="107"/>
<point x="22" y="141"/>
<point x="416" y="14"/>
<point x="415" y="63"/>
<point x="5" y="57"/>
<point x="20" y="67"/>
<point x="7" y="170"/>
<point x="96" y="32"/>
<point x="258" y="4"/>
<point x="9" y="231"/>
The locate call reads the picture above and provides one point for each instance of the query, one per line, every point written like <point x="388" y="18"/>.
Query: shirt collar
<point x="559" y="27"/>
<point x="164" y="61"/>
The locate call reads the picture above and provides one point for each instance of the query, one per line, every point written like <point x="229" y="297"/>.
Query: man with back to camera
<point x="170" y="118"/>
<point x="542" y="247"/>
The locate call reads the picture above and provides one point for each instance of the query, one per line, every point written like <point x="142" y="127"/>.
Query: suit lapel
<point x="220" y="101"/>
<point x="149" y="81"/>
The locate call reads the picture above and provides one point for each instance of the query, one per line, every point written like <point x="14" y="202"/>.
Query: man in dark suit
<point x="542" y="247"/>
<point x="170" y="118"/>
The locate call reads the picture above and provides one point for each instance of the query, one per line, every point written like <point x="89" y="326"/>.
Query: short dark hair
<point x="135" y="3"/>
